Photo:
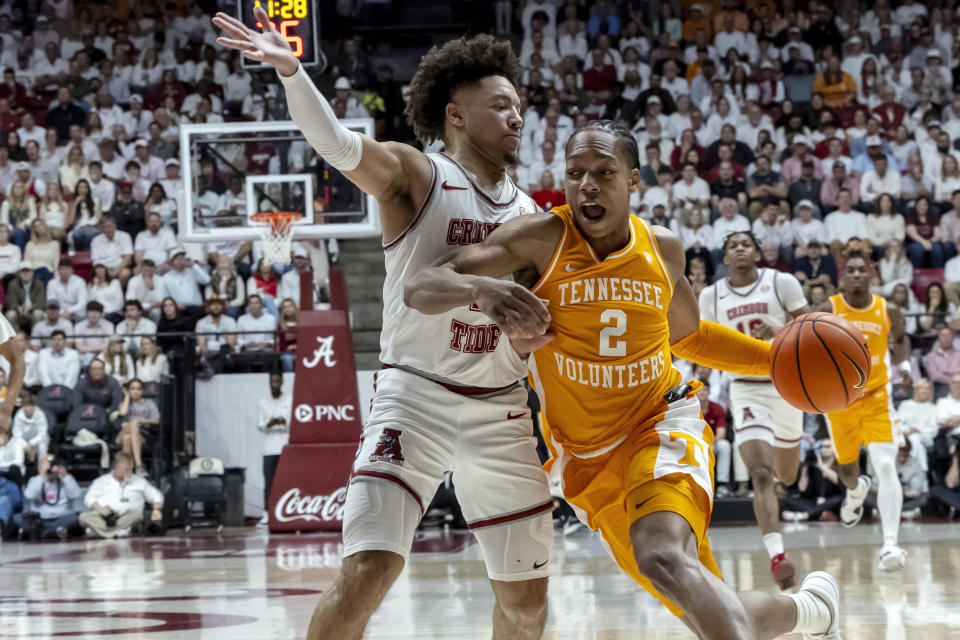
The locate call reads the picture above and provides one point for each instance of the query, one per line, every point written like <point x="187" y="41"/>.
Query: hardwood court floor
<point x="246" y="585"/>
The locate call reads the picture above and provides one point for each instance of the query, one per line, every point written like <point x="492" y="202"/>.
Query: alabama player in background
<point x="869" y="420"/>
<point x="13" y="352"/>
<point x="449" y="397"/>
<point x="767" y="428"/>
<point x="628" y="440"/>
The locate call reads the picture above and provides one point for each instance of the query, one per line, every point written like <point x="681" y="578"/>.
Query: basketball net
<point x="277" y="234"/>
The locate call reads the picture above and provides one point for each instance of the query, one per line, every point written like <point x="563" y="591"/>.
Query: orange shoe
<point x="784" y="573"/>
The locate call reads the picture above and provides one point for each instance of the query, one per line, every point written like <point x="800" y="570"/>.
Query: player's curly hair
<point x="445" y="69"/>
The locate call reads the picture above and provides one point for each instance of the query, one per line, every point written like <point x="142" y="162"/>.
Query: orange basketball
<point x="819" y="362"/>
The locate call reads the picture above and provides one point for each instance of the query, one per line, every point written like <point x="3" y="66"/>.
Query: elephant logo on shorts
<point x="389" y="448"/>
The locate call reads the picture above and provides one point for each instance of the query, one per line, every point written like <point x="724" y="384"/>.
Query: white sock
<point x="813" y="614"/>
<point x="889" y="491"/>
<point x="774" y="544"/>
<point x="859" y="493"/>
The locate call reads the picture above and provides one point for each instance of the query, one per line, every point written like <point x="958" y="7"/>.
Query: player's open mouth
<point x="593" y="211"/>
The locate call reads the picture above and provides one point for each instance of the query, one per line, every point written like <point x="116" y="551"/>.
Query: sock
<point x="813" y="615"/>
<point x="859" y="493"/>
<point x="889" y="491"/>
<point x="774" y="544"/>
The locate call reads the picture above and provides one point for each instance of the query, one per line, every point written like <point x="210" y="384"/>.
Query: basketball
<point x="819" y="362"/>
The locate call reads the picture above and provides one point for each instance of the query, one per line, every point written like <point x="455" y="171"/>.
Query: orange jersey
<point x="608" y="368"/>
<point x="874" y="323"/>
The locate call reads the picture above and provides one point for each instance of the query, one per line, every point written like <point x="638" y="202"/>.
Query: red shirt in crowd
<point x="549" y="199"/>
<point x="715" y="416"/>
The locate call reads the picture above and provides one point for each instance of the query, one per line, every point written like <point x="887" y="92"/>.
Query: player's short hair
<point x="626" y="141"/>
<point x="445" y="69"/>
<point x="857" y="254"/>
<point x="748" y="233"/>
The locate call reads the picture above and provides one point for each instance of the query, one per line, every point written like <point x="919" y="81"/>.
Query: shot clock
<point x="296" y="20"/>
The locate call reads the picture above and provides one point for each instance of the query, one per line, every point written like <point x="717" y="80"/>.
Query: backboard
<point x="266" y="166"/>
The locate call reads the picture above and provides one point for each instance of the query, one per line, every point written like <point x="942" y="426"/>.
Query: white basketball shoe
<point x="852" y="508"/>
<point x="892" y="558"/>
<point x="824" y="587"/>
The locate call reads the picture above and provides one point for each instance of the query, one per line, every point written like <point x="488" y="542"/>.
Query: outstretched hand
<point x="519" y="313"/>
<point x="267" y="46"/>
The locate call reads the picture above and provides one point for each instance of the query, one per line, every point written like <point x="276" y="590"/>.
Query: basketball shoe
<point x="784" y="573"/>
<point x="852" y="508"/>
<point x="892" y="558"/>
<point x="822" y="586"/>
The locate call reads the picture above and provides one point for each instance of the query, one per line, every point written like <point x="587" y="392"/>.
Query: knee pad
<point x="379" y="516"/>
<point x="518" y="550"/>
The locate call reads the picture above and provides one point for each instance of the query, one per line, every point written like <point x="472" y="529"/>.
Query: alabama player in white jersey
<point x="767" y="429"/>
<point x="18" y="367"/>
<point x="448" y="398"/>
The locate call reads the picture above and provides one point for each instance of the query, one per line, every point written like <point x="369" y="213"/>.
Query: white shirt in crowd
<point x="206" y="324"/>
<point x="10" y="258"/>
<point x="275" y="437"/>
<point x="59" y="368"/>
<point x="723" y="227"/>
<point x="71" y="296"/>
<point x="265" y="322"/>
<point x="947" y="407"/>
<point x="807" y="232"/>
<point x="152" y="370"/>
<point x="34" y="430"/>
<point x="146" y="326"/>
<point x="156" y="247"/>
<point x="841" y="226"/>
<point x="120" y="497"/>
<point x="110" y="253"/>
<point x="12" y="455"/>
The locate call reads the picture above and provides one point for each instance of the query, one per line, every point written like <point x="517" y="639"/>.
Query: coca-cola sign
<point x="292" y="506"/>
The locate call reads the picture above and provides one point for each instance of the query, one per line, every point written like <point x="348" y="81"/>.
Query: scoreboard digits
<point x="294" y="19"/>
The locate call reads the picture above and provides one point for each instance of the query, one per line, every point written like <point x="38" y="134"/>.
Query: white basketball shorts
<point x="760" y="413"/>
<point x="417" y="431"/>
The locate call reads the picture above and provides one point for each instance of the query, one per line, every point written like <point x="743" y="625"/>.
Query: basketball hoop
<point x="277" y="234"/>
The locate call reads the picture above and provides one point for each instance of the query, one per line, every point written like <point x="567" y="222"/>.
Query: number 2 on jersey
<point x="616" y="349"/>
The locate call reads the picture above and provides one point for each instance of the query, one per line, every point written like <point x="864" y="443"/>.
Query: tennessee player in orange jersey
<point x="869" y="419"/>
<point x="629" y="442"/>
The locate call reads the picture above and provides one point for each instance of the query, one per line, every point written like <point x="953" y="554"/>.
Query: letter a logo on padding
<point x="389" y="448"/>
<point x="323" y="352"/>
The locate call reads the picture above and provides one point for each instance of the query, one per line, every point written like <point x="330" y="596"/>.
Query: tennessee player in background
<point x="869" y="420"/>
<point x="629" y="442"/>
<point x="768" y="430"/>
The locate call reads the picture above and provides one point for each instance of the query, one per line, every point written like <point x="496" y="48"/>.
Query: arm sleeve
<point x="338" y="145"/>
<point x="791" y="293"/>
<point x="719" y="347"/>
<point x="706" y="303"/>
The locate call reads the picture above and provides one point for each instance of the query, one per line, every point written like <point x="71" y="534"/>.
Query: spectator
<point x="151" y="364"/>
<point x="287" y="332"/>
<point x="915" y="182"/>
<point x="43" y="252"/>
<point x="729" y="222"/>
<point x="173" y="320"/>
<point x="255" y="320"/>
<point x="134" y="324"/>
<point x="728" y="185"/>
<point x="764" y="184"/>
<point x="816" y="268"/>
<point x="54" y="212"/>
<point x="140" y="420"/>
<point x="771" y="258"/>
<point x="290" y="281"/>
<point x="117" y="361"/>
<point x="837" y="87"/>
<point x="894" y="269"/>
<point x="819" y="491"/>
<point x="155" y="242"/>
<point x="951" y="278"/>
<point x="884" y="225"/>
<point x="183" y="282"/>
<point x="273" y="421"/>
<point x="937" y="309"/>
<point x="107" y="292"/>
<point x="69" y="290"/>
<point x="774" y="229"/>
<point x="807" y="187"/>
<point x="53" y="491"/>
<point x="11" y="503"/>
<point x="96" y="387"/>
<point x="844" y="223"/>
<point x="10" y="256"/>
<point x="547" y="195"/>
<point x="116" y="501"/>
<point x="113" y="249"/>
<point x="691" y="190"/>
<point x="147" y="288"/>
<point x="806" y="228"/>
<point x="127" y="213"/>
<point x="42" y="331"/>
<point x="943" y="367"/>
<point x="92" y="333"/>
<point x="793" y="166"/>
<point x="103" y="189"/>
<point x="26" y="297"/>
<point x="923" y="237"/>
<point x="32" y="427"/>
<point x="58" y="363"/>
<point x="918" y="420"/>
<point x="158" y="203"/>
<point x="12" y="458"/>
<point x="227" y="285"/>
<point x="913" y="480"/>
<point x="264" y="283"/>
<point x="878" y="181"/>
<point x="221" y="327"/>
<point x="18" y="210"/>
<point x="696" y="235"/>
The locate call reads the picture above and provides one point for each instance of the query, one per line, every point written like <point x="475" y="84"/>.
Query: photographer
<point x="948" y="491"/>
<point x="818" y="494"/>
<point x="116" y="500"/>
<point x="50" y="497"/>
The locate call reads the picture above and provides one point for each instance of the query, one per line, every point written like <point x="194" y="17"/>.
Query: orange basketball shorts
<point x="665" y="465"/>
<point x="867" y="419"/>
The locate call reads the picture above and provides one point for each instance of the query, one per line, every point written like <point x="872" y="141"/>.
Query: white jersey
<point x="770" y="300"/>
<point x="462" y="346"/>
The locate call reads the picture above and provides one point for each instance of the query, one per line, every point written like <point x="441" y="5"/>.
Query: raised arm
<point x="397" y="175"/>
<point x="471" y="275"/>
